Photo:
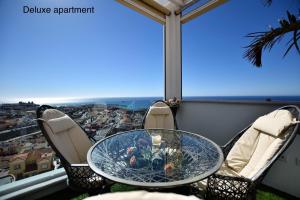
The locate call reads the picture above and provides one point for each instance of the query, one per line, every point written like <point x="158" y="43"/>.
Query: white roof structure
<point x="172" y="14"/>
<point x="159" y="9"/>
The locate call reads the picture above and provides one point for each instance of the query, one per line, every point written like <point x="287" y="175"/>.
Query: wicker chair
<point x="159" y="115"/>
<point x="220" y="186"/>
<point x="70" y="144"/>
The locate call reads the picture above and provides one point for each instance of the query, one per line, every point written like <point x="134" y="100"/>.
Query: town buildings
<point x="24" y="151"/>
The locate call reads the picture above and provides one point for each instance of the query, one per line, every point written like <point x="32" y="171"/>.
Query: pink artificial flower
<point x="132" y="161"/>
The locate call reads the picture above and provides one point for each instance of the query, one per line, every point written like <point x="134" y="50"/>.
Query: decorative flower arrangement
<point x="169" y="168"/>
<point x="173" y="104"/>
<point x="139" y="154"/>
<point x="144" y="155"/>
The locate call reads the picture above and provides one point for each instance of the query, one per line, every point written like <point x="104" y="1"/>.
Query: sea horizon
<point x="146" y="100"/>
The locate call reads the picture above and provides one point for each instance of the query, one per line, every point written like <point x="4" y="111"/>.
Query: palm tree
<point x="266" y="39"/>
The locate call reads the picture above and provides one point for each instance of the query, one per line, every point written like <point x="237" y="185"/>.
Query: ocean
<point x="137" y="103"/>
<point x="130" y="103"/>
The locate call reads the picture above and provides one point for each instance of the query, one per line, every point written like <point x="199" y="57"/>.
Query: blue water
<point x="247" y="98"/>
<point x="137" y="103"/>
<point x="130" y="103"/>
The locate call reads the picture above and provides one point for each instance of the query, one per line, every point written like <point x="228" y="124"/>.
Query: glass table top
<point x="155" y="157"/>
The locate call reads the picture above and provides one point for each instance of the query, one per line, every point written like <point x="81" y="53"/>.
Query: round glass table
<point x="155" y="158"/>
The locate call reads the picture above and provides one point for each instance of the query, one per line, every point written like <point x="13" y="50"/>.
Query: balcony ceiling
<point x="159" y="9"/>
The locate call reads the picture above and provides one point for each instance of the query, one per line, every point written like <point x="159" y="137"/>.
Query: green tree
<point x="265" y="40"/>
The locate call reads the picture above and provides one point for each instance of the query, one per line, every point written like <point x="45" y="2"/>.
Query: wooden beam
<point x="201" y="10"/>
<point x="144" y="9"/>
<point x="157" y="6"/>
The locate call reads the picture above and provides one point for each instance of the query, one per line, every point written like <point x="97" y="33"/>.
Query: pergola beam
<point x="157" y="6"/>
<point x="145" y="9"/>
<point x="188" y="3"/>
<point x="201" y="10"/>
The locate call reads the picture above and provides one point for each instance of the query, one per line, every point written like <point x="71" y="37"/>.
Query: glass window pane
<point x="103" y="69"/>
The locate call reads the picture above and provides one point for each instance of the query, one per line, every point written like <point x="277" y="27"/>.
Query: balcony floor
<point x="263" y="193"/>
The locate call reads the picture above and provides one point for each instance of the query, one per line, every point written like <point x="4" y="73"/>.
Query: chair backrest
<point x="159" y="115"/>
<point x="65" y="136"/>
<point x="260" y="144"/>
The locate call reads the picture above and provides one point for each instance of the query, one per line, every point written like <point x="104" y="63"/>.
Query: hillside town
<point x="25" y="152"/>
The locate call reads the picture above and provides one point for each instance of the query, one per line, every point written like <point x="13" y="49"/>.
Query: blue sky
<point x="213" y="50"/>
<point x="118" y="52"/>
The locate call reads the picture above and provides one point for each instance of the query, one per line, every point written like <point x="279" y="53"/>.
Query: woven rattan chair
<point x="241" y="184"/>
<point x="70" y="144"/>
<point x="159" y="115"/>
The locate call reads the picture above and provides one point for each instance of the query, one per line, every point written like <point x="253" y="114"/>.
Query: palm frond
<point x="267" y="39"/>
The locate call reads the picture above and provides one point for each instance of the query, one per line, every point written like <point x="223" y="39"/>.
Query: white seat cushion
<point x="256" y="147"/>
<point x="67" y="136"/>
<point x="267" y="148"/>
<point x="274" y="123"/>
<point x="141" y="195"/>
<point x="165" y="110"/>
<point x="242" y="151"/>
<point x="159" y="116"/>
<point x="61" y="124"/>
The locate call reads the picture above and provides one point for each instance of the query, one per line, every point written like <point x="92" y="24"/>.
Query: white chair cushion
<point x="259" y="144"/>
<point x="141" y="195"/>
<point x="61" y="124"/>
<point x="274" y="123"/>
<point x="159" y="116"/>
<point x="67" y="136"/>
<point x="262" y="155"/>
<point x="159" y="110"/>
<point x="51" y="114"/>
<point x="243" y="149"/>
